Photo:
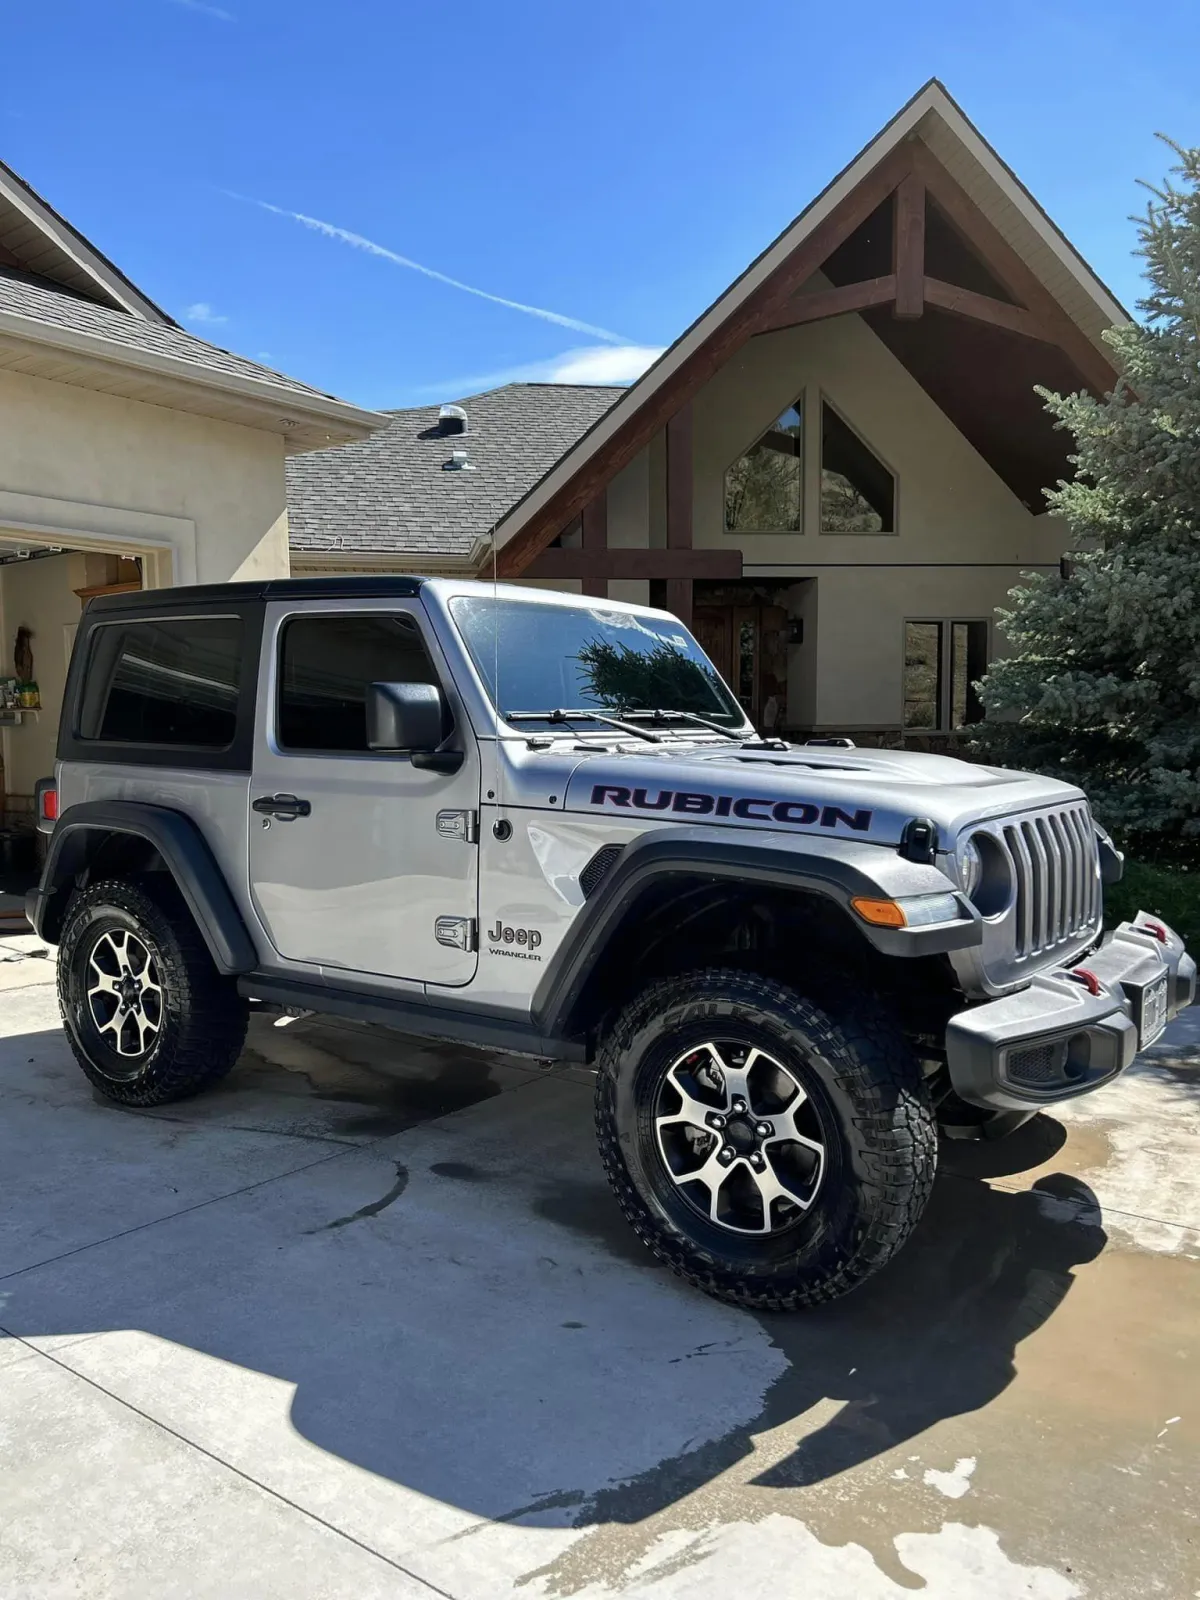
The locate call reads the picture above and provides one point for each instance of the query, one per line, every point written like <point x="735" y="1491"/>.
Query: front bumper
<point x="1072" y="1029"/>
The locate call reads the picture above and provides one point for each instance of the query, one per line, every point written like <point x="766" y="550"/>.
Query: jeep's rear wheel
<point x="773" y="1152"/>
<point x="147" y="1015"/>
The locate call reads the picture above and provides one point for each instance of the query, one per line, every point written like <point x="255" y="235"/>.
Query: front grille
<point x="1056" y="867"/>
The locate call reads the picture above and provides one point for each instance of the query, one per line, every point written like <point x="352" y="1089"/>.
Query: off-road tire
<point x="203" y="1026"/>
<point x="861" y="1078"/>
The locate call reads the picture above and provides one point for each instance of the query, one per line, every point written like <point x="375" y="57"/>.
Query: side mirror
<point x="410" y="717"/>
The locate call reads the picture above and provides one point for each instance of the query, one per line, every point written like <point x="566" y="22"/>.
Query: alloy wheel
<point x="124" y="993"/>
<point x="740" y="1137"/>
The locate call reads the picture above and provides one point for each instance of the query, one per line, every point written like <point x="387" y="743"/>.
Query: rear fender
<point x="84" y="830"/>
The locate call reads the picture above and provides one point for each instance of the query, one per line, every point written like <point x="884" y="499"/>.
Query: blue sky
<point x="608" y="167"/>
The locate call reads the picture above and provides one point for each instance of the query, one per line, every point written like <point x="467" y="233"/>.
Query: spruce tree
<point x="1103" y="684"/>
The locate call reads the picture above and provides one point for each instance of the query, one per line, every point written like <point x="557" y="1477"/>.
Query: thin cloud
<point x="202" y="312"/>
<point x="209" y="11"/>
<point x="598" y="363"/>
<point x="358" y="242"/>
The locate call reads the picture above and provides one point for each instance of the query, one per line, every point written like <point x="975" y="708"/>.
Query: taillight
<point x="49" y="805"/>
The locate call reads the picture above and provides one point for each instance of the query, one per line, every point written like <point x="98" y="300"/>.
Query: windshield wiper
<point x="689" y="716"/>
<point x="561" y="716"/>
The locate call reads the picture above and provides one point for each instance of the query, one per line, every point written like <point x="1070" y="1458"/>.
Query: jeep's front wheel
<point x="771" y="1151"/>
<point x="147" y="1015"/>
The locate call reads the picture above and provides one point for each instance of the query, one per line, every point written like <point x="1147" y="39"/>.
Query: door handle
<point x="284" y="807"/>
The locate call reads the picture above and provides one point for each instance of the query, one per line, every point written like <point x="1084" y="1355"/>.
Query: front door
<point x="742" y="642"/>
<point x="378" y="871"/>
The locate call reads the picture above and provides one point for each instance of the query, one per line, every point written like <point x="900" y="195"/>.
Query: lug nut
<point x="727" y="1152"/>
<point x="764" y="1130"/>
<point x="756" y="1161"/>
<point x="739" y="1104"/>
<point x="716" y="1120"/>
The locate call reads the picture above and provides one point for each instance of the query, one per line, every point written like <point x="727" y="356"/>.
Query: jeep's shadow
<point x="486" y="1330"/>
<point x="932" y="1336"/>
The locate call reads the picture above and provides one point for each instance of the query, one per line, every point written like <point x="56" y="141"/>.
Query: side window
<point x="173" y="681"/>
<point x="764" y="489"/>
<point x="858" y="493"/>
<point x="943" y="661"/>
<point x="922" y="674"/>
<point x="326" y="664"/>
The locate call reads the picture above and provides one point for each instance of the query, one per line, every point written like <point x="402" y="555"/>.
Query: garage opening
<point x="43" y="590"/>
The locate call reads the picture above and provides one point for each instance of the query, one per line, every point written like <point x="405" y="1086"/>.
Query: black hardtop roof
<point x="204" y="596"/>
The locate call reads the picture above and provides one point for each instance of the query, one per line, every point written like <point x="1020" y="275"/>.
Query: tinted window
<point x="327" y="663"/>
<point x="169" y="682"/>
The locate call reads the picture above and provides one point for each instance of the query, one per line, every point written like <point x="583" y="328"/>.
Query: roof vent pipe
<point x="452" y="419"/>
<point x="458" y="462"/>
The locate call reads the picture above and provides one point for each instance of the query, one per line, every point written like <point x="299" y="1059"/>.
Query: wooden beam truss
<point x="909" y="174"/>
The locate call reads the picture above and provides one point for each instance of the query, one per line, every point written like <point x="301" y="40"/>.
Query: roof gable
<point x="35" y="239"/>
<point x="932" y="137"/>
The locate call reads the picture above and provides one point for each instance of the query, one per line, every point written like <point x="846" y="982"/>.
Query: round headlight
<point x="970" y="868"/>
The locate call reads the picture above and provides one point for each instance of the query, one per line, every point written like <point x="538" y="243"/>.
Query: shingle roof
<point x="392" y="494"/>
<point x="37" y="298"/>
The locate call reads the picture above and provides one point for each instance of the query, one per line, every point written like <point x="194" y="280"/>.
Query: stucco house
<point x="131" y="453"/>
<point x="835" y="474"/>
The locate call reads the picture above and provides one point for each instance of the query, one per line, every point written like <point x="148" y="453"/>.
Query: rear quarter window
<point x="171" y="681"/>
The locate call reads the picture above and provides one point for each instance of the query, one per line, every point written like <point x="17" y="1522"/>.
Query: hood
<point x="864" y="794"/>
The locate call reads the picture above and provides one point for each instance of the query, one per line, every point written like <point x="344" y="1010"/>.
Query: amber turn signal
<point x="882" y="913"/>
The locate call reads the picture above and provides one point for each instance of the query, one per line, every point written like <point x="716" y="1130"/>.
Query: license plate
<point x="1154" y="1011"/>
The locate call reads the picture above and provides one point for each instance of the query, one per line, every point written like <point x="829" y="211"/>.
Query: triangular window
<point x="858" y="493"/>
<point x="764" y="489"/>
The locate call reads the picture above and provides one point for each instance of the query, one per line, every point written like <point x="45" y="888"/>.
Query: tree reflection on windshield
<point x="633" y="680"/>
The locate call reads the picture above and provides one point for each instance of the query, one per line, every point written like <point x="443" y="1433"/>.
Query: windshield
<point x="547" y="657"/>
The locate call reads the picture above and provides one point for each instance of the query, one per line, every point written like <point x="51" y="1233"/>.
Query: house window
<point x="764" y="489"/>
<point x="858" y="493"/>
<point x="943" y="661"/>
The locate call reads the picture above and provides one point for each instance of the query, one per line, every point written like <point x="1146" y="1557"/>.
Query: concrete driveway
<point x="367" y="1323"/>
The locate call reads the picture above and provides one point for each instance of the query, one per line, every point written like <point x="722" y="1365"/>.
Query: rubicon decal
<point x="751" y="808"/>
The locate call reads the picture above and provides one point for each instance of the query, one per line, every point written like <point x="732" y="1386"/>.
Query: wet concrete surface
<point x="368" y="1318"/>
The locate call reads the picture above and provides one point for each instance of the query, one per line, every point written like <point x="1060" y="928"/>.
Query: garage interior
<point x="43" y="590"/>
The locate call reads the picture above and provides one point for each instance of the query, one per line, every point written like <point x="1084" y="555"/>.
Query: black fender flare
<point x="840" y="869"/>
<point x="182" y="847"/>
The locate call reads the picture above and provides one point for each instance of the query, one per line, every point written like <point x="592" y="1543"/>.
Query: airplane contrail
<point x="359" y="242"/>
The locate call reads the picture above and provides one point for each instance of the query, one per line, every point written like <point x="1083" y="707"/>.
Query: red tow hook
<point x="1156" y="929"/>
<point x="1088" y="978"/>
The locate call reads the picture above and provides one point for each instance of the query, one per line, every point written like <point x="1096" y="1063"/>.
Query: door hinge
<point x="461" y="825"/>
<point x="460" y="933"/>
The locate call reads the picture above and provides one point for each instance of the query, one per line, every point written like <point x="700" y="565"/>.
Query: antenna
<point x="496" y="672"/>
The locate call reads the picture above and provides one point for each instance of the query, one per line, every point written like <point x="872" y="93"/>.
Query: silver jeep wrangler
<point x="539" y="823"/>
